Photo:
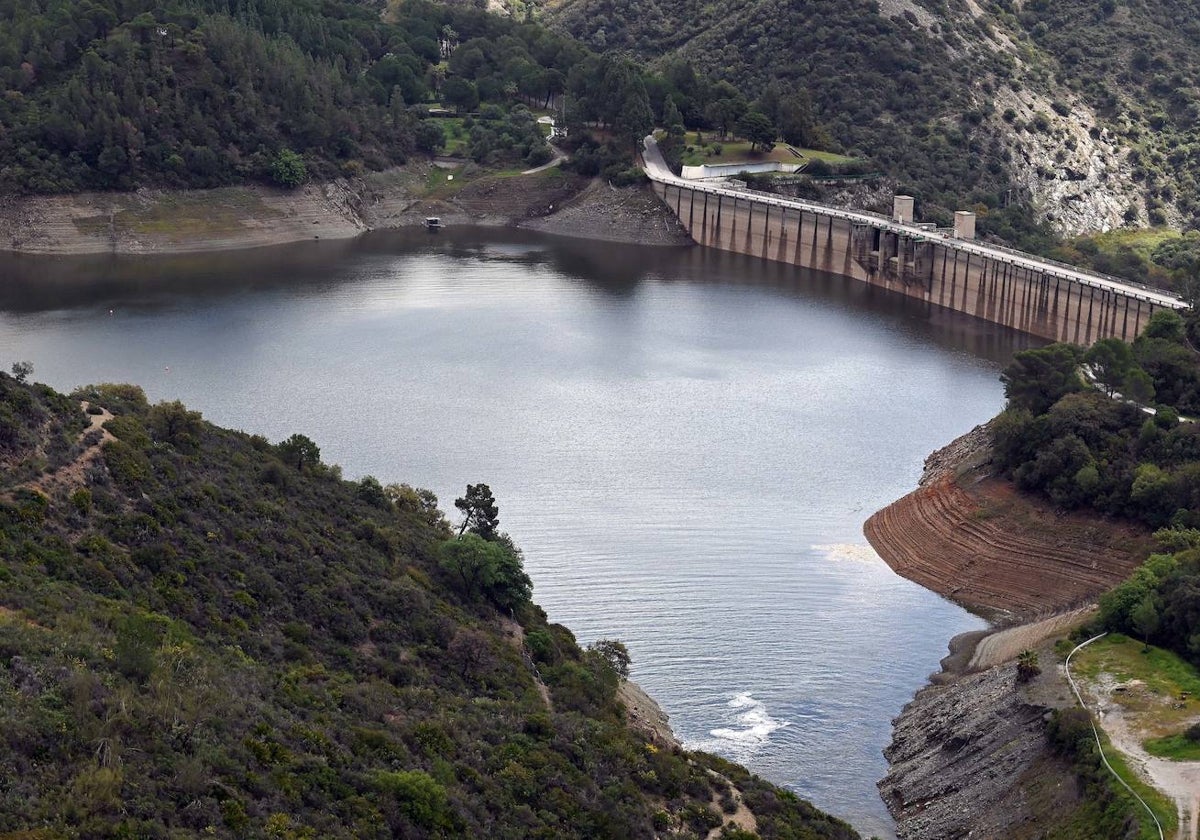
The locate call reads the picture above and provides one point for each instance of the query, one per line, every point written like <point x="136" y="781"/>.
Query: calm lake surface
<point x="685" y="443"/>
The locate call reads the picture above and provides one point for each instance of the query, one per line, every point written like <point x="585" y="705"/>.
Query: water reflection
<point x="683" y="441"/>
<point x="42" y="283"/>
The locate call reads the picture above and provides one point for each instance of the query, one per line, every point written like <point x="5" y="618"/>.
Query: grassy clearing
<point x="1159" y="698"/>
<point x="738" y="151"/>
<point x="1168" y="680"/>
<point x="1142" y="241"/>
<point x="442" y="184"/>
<point x="456" y="135"/>
<point x="1174" y="747"/>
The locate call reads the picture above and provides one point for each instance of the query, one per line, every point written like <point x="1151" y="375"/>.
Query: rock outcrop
<point x="969" y="759"/>
<point x="969" y="756"/>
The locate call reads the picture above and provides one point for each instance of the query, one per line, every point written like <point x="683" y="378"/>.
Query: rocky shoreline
<point x="190" y="221"/>
<point x="969" y="756"/>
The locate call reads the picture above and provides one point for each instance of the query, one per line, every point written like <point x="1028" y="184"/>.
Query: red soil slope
<point x="978" y="541"/>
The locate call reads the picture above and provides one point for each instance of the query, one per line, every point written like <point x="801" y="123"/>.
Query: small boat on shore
<point x="433" y="223"/>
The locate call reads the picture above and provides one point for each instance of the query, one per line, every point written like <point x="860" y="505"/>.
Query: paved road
<point x="657" y="170"/>
<point x="559" y="157"/>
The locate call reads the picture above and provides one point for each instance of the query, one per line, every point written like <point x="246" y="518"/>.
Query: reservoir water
<point x="684" y="442"/>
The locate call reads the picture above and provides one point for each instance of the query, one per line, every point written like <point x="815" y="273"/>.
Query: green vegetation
<point x="848" y="76"/>
<point x="1106" y="809"/>
<point x="1158" y="605"/>
<point x="736" y="151"/>
<point x="203" y="633"/>
<point x="1136" y="65"/>
<point x="917" y="89"/>
<point x="203" y="93"/>
<point x="1182" y="747"/>
<point x="1156" y="256"/>
<point x="1169" y="685"/>
<point x="1083" y="449"/>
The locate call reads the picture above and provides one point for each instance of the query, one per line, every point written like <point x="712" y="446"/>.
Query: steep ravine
<point x="969" y="756"/>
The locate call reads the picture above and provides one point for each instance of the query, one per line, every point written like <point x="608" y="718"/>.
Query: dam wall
<point x="1014" y="290"/>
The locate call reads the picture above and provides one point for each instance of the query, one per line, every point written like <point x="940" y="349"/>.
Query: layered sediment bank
<point x="975" y="539"/>
<point x="969" y="755"/>
<point x="184" y="221"/>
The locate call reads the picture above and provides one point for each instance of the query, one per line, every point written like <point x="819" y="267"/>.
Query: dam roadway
<point x="1000" y="285"/>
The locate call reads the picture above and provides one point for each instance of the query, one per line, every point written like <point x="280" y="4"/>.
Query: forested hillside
<point x="1075" y="431"/>
<point x="1081" y="113"/>
<point x="204" y="634"/>
<point x="116" y="94"/>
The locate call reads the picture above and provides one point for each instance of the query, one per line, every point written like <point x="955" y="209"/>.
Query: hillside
<point x="1083" y="113"/>
<point x="205" y="633"/>
<point x="206" y="93"/>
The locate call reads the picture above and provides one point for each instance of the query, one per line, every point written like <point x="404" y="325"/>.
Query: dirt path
<point x="559" y="157"/>
<point x="1180" y="780"/>
<point x="72" y="474"/>
<point x="1006" y="645"/>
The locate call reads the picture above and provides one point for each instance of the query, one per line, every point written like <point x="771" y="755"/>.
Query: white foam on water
<point x="852" y="552"/>
<point x="752" y="729"/>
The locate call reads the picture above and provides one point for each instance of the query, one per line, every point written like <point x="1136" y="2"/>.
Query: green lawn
<point x="1162" y="707"/>
<point x="738" y="151"/>
<point x="1174" y="747"/>
<point x="1167" y="677"/>
<point x="442" y="184"/>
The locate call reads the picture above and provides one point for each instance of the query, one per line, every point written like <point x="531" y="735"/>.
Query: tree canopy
<point x="481" y="516"/>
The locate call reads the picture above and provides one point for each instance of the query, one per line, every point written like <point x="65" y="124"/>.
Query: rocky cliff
<point x="970" y="759"/>
<point x="969" y="756"/>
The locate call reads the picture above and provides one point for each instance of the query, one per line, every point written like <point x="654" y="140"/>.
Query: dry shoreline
<point x="968" y="754"/>
<point x="230" y="218"/>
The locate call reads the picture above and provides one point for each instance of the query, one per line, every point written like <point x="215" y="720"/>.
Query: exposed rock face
<point x="955" y="749"/>
<point x="970" y="759"/>
<point x="1075" y="171"/>
<point x="612" y="214"/>
<point x="968" y="756"/>
<point x="178" y="221"/>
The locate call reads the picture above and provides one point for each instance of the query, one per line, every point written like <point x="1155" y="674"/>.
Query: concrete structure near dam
<point x="944" y="268"/>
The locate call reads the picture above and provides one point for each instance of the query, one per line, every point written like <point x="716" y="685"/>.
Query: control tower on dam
<point x="944" y="268"/>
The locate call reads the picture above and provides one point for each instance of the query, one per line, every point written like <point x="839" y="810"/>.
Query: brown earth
<point x="180" y="221"/>
<point x="975" y="539"/>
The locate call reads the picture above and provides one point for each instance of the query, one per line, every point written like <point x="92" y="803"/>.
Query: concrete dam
<point x="950" y="270"/>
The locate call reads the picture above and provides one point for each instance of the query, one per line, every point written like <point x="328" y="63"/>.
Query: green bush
<point x="288" y="169"/>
